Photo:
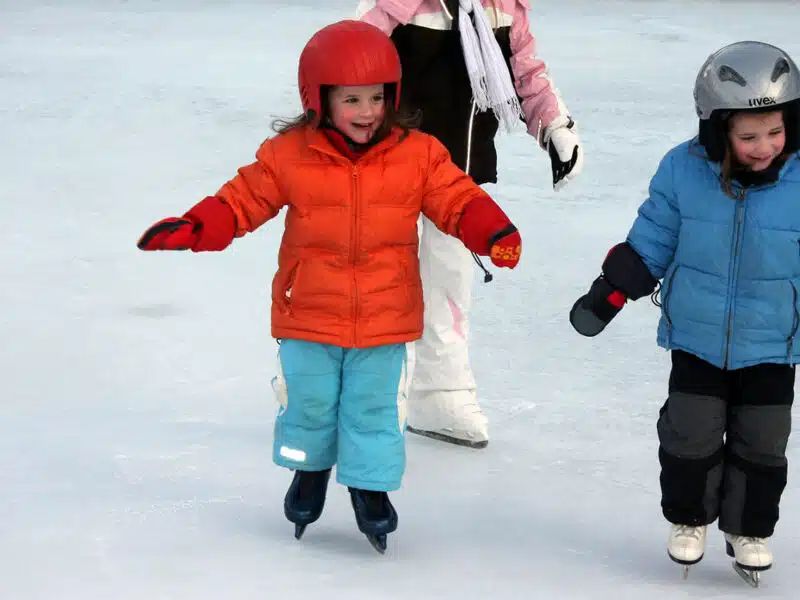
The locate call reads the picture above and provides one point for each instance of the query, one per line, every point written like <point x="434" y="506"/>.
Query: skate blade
<point x="298" y="531"/>
<point x="685" y="564"/>
<point x="435" y="435"/>
<point x="751" y="577"/>
<point x="378" y="542"/>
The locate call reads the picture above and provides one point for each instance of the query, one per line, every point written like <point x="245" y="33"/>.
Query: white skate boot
<point x="453" y="416"/>
<point x="687" y="545"/>
<point x="751" y="556"/>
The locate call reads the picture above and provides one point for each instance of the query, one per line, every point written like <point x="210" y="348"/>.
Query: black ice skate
<point x="375" y="516"/>
<point x="305" y="499"/>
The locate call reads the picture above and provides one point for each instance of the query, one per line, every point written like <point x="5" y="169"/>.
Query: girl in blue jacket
<point x="721" y="232"/>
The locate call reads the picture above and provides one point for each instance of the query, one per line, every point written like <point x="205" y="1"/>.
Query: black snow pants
<point x="722" y="444"/>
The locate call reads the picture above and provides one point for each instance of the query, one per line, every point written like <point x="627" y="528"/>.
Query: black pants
<point x="722" y="444"/>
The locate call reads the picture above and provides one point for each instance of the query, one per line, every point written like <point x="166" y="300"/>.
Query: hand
<point x="171" y="233"/>
<point x="593" y="311"/>
<point x="486" y="230"/>
<point x="506" y="248"/>
<point x="565" y="150"/>
<point x="210" y="225"/>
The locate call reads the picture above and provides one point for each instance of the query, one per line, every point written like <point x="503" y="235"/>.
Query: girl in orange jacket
<point x="347" y="297"/>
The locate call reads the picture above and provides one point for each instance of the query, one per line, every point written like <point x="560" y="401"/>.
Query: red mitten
<point x="486" y="230"/>
<point x="210" y="225"/>
<point x="506" y="248"/>
<point x="171" y="233"/>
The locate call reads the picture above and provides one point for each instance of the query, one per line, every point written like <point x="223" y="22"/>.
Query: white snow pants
<point x="442" y="397"/>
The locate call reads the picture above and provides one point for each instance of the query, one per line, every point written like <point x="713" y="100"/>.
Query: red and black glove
<point x="624" y="276"/>
<point x="593" y="311"/>
<point x="210" y="225"/>
<point x="486" y="230"/>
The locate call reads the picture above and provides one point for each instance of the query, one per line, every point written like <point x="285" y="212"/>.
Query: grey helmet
<point x="746" y="76"/>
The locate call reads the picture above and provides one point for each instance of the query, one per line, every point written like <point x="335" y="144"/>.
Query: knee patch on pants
<point x="691" y="431"/>
<point x="760" y="434"/>
<point x="692" y="426"/>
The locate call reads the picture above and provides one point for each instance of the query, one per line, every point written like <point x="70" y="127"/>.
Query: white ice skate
<point x="751" y="556"/>
<point x="453" y="417"/>
<point x="687" y="545"/>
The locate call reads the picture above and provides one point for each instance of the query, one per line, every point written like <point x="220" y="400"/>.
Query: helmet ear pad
<point x="713" y="132"/>
<point x="319" y="112"/>
<point x="791" y="121"/>
<point x="714" y="135"/>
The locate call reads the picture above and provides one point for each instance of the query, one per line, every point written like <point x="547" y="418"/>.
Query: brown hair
<point x="726" y="172"/>
<point x="403" y="118"/>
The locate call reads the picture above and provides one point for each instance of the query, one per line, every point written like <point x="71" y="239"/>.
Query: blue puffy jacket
<point x="730" y="268"/>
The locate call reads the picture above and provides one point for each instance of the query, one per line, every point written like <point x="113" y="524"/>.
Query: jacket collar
<point x="319" y="141"/>
<point x="695" y="147"/>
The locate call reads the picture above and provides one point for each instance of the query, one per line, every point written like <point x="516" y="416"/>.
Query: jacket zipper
<point x="470" y="124"/>
<point x="447" y="12"/>
<point x="354" y="258"/>
<point x="734" y="270"/>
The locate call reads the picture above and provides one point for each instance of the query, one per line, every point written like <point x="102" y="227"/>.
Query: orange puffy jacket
<point x="348" y="272"/>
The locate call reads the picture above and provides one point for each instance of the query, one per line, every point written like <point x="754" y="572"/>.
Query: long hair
<point x="404" y="118"/>
<point x="728" y="168"/>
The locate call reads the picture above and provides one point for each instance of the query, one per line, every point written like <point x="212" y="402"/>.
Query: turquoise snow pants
<point x="343" y="407"/>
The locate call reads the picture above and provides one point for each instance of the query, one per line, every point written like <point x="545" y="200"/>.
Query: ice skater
<point x="347" y="297"/>
<point x="469" y="66"/>
<point x="721" y="232"/>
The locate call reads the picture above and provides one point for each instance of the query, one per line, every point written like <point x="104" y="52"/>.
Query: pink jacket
<point x="541" y="101"/>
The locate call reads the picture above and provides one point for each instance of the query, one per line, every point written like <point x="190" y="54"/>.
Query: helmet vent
<point x="726" y="73"/>
<point x="781" y="68"/>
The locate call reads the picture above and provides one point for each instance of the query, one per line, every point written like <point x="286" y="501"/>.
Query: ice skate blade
<point x="732" y="554"/>
<point x="378" y="542"/>
<point x="751" y="577"/>
<point x="298" y="531"/>
<point x="434" y="435"/>
<point x="684" y="563"/>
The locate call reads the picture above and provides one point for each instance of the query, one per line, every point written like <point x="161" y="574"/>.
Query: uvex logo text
<point x="765" y="101"/>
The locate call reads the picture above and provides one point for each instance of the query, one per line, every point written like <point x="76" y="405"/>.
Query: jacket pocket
<point x="795" y="322"/>
<point x="410" y="287"/>
<point x="286" y="287"/>
<point x="666" y="296"/>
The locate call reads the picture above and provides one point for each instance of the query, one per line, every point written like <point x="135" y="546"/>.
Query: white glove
<point x="565" y="150"/>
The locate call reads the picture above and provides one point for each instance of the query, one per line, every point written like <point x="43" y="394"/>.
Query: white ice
<point x="136" y="413"/>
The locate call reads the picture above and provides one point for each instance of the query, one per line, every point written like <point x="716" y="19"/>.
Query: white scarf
<point x="489" y="76"/>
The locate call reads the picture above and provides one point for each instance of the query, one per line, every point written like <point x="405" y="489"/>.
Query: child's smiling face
<point x="357" y="110"/>
<point x="756" y="139"/>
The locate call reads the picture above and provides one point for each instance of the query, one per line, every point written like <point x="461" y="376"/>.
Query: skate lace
<point x="745" y="540"/>
<point x="473" y="407"/>
<point x="689" y="531"/>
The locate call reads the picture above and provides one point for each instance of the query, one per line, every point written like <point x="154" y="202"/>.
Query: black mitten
<point x="624" y="276"/>
<point x="594" y="310"/>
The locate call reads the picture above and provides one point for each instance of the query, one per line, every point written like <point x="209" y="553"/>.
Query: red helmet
<point x="346" y="53"/>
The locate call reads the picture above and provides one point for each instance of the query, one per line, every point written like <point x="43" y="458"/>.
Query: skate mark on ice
<point x="156" y="311"/>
